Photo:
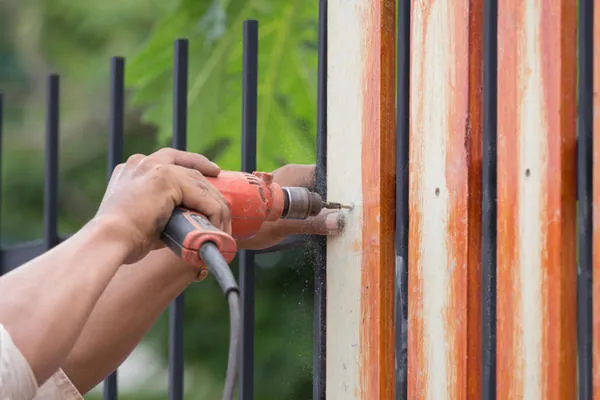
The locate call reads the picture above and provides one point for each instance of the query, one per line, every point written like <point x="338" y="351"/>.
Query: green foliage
<point x="287" y="77"/>
<point x="76" y="38"/>
<point x="286" y="126"/>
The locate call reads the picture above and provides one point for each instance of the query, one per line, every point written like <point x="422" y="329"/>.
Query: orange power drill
<point x="252" y="199"/>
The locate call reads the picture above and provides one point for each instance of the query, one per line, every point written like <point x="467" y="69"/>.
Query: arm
<point x="45" y="303"/>
<point x="37" y="307"/>
<point x="126" y="311"/>
<point x="130" y="305"/>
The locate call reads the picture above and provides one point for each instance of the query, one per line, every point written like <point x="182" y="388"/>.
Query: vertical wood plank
<point x="596" y="206"/>
<point x="536" y="344"/>
<point x="361" y="170"/>
<point x="445" y="200"/>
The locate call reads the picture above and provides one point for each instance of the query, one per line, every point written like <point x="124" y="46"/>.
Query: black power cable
<point x="217" y="266"/>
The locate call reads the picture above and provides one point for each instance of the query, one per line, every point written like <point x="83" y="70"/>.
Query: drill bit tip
<point x="334" y="205"/>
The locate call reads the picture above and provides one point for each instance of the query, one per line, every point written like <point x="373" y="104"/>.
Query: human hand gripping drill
<point x="253" y="199"/>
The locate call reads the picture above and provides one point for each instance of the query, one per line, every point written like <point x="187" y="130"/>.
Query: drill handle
<point x="188" y="230"/>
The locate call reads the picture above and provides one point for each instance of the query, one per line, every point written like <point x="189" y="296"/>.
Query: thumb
<point x="328" y="222"/>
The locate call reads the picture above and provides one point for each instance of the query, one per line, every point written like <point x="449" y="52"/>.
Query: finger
<point x="328" y="222"/>
<point x="225" y="219"/>
<point x="295" y="175"/>
<point x="196" y="195"/>
<point x="186" y="159"/>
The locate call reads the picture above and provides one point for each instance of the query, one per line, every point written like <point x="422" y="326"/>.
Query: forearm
<point x="46" y="302"/>
<point x="128" y="308"/>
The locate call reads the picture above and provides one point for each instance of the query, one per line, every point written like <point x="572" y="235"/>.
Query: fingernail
<point x="335" y="222"/>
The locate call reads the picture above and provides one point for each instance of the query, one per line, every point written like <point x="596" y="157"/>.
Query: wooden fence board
<point x="361" y="169"/>
<point x="444" y="349"/>
<point x="536" y="320"/>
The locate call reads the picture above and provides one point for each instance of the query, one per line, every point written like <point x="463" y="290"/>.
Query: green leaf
<point x="287" y="78"/>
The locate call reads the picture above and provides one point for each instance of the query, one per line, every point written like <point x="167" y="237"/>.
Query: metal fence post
<point x="115" y="157"/>
<point x="176" y="311"/>
<point x="246" y="260"/>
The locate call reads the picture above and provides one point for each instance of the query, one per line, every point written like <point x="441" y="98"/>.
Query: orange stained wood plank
<point x="536" y="292"/>
<point x="444" y="348"/>
<point x="596" y="205"/>
<point x="378" y="189"/>
<point x="361" y="170"/>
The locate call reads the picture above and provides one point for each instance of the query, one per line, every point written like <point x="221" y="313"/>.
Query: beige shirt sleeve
<point x="17" y="381"/>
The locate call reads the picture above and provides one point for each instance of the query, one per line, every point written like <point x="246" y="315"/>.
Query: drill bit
<point x="336" y="206"/>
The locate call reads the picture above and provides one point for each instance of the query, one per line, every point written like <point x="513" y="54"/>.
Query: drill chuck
<point x="300" y="203"/>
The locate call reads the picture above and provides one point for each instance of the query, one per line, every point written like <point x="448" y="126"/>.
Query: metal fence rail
<point x="13" y="256"/>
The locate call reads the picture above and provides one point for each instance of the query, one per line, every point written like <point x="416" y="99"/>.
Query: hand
<point x="143" y="192"/>
<point x="328" y="222"/>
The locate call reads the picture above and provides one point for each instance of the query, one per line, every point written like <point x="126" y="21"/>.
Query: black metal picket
<point x="13" y="256"/>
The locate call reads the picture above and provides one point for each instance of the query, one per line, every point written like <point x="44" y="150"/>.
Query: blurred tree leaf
<point x="76" y="38"/>
<point x="287" y="77"/>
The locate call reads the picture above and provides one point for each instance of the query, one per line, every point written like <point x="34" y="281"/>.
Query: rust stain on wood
<point x="378" y="187"/>
<point x="536" y="127"/>
<point x="446" y="74"/>
<point x="596" y="206"/>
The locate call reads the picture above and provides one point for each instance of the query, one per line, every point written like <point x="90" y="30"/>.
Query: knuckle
<point x="197" y="175"/>
<point x="135" y="158"/>
<point x="203" y="187"/>
<point x="117" y="169"/>
<point x="165" y="151"/>
<point x="161" y="174"/>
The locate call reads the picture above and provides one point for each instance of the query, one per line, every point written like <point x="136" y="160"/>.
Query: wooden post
<point x="536" y="345"/>
<point x="444" y="349"/>
<point x="361" y="170"/>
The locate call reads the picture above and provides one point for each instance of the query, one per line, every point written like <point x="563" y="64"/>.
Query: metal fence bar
<point x="489" y="196"/>
<point x="402" y="188"/>
<point x="246" y="260"/>
<point x="585" y="195"/>
<point x="51" y="159"/>
<point x="176" y="311"/>
<point x="115" y="157"/>
<point x="320" y="299"/>
<point x="117" y="112"/>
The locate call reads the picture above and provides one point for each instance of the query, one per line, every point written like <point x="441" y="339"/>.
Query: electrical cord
<point x="218" y="267"/>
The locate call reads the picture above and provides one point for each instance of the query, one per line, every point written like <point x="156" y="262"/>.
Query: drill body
<point x="252" y="200"/>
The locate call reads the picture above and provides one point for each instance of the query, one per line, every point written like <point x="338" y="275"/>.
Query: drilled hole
<point x="527" y="172"/>
<point x="437" y="192"/>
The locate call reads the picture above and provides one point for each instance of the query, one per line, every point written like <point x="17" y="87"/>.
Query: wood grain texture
<point x="444" y="349"/>
<point x="378" y="187"/>
<point x="361" y="170"/>
<point x="536" y="309"/>
<point x="596" y="206"/>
